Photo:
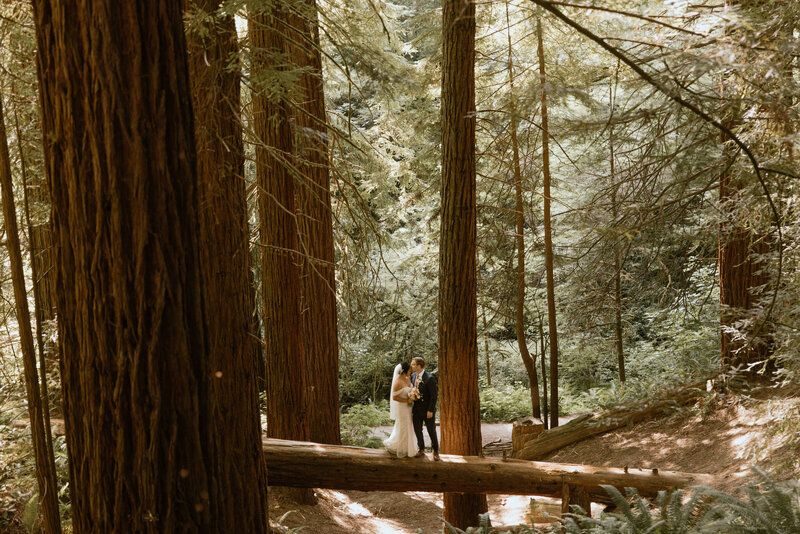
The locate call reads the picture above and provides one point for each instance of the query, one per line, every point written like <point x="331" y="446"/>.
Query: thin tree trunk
<point x="225" y="269"/>
<point x="317" y="273"/>
<point x="45" y="463"/>
<point x="486" y="349"/>
<point x="544" y="375"/>
<point x="287" y="404"/>
<point x="617" y="262"/>
<point x="458" y="349"/>
<point x="548" y="240"/>
<point x="36" y="298"/>
<point x="530" y="363"/>
<point x="618" y="297"/>
<point x="40" y="248"/>
<point x="121" y="164"/>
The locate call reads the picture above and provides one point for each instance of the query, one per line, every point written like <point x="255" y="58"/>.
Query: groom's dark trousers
<point x="419" y="412"/>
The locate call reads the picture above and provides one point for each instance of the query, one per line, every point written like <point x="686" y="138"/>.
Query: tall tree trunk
<point x="37" y="405"/>
<point x="617" y="295"/>
<point x="458" y="343"/>
<point x="317" y="273"/>
<point x="740" y="271"/>
<point x="617" y="262"/>
<point x="45" y="394"/>
<point x="121" y="164"/>
<point x="548" y="239"/>
<point x="40" y="247"/>
<point x="530" y="363"/>
<point x="228" y="288"/>
<point x="287" y="405"/>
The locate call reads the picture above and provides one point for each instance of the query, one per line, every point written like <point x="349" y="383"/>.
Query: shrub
<point x="770" y="507"/>
<point x="505" y="403"/>
<point x="357" y="422"/>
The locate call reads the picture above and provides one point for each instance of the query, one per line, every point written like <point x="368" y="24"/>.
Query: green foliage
<point x="484" y="526"/>
<point x="30" y="514"/>
<point x="770" y="507"/>
<point x="503" y="404"/>
<point x="357" y="422"/>
<point x="669" y="515"/>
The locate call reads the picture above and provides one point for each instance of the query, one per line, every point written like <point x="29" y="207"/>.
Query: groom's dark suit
<point x="427" y="403"/>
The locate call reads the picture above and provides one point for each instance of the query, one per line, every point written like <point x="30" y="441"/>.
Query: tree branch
<point x="678" y="99"/>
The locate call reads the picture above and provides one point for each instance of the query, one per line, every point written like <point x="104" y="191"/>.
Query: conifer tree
<point x="458" y="344"/>
<point x="121" y="165"/>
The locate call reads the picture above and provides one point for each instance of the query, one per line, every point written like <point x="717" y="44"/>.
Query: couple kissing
<point x="412" y="405"/>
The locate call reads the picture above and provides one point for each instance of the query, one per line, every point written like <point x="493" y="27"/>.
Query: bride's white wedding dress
<point x="402" y="442"/>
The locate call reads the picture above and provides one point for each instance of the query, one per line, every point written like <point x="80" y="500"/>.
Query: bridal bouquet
<point x="415" y="392"/>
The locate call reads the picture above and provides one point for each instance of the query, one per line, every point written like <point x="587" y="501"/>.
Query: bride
<point x="402" y="442"/>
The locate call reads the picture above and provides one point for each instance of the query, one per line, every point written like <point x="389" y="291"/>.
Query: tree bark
<point x="287" y="403"/>
<point x="317" y="272"/>
<point x="228" y="288"/>
<point x="40" y="344"/>
<point x="458" y="344"/>
<point x="40" y="248"/>
<point x="548" y="239"/>
<point x="319" y="465"/>
<point x="740" y="276"/>
<point x="121" y="164"/>
<point x="542" y="352"/>
<point x="527" y="360"/>
<point x="43" y="453"/>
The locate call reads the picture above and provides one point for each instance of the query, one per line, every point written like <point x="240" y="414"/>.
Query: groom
<point x="424" y="407"/>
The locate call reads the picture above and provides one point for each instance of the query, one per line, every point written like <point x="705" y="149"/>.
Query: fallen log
<point x="314" y="465"/>
<point x="589" y="425"/>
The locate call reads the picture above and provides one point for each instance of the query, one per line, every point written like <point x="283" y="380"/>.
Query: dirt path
<point x="726" y="437"/>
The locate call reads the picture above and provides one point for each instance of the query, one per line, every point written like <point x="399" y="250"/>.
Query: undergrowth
<point x="767" y="506"/>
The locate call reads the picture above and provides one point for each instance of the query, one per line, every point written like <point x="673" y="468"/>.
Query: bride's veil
<point x="393" y="404"/>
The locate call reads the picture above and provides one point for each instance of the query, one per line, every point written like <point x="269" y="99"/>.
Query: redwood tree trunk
<point x="548" y="239"/>
<point x="121" y="164"/>
<point x="458" y="343"/>
<point x="42" y="451"/>
<point x="317" y="274"/>
<point x="527" y="360"/>
<point x="225" y="269"/>
<point x="286" y="376"/>
<point x="739" y="277"/>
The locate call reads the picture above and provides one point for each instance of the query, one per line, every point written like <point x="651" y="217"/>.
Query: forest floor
<point x="722" y="435"/>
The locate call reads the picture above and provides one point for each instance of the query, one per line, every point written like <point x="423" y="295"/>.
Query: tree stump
<point x="524" y="429"/>
<point x="575" y="495"/>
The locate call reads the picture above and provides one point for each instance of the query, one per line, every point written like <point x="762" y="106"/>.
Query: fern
<point x="774" y="508"/>
<point x="670" y="515"/>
